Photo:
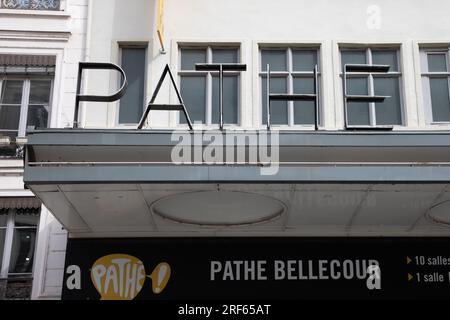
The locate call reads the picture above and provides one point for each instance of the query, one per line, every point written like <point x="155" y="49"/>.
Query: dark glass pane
<point x="3" y="220"/>
<point x="193" y="91"/>
<point x="357" y="86"/>
<point x="389" y="112"/>
<point x="440" y="99"/>
<point x="230" y="99"/>
<point x="358" y="114"/>
<point x="386" y="58"/>
<point x="276" y="58"/>
<point x="22" y="253"/>
<point x="437" y="62"/>
<point x="26" y="220"/>
<point x="40" y="92"/>
<point x="304" y="60"/>
<point x="132" y="104"/>
<point x="225" y="56"/>
<point x="353" y="57"/>
<point x="9" y="117"/>
<point x="38" y="116"/>
<point x="279" y="109"/>
<point x="2" y="245"/>
<point x="11" y="92"/>
<point x="189" y="57"/>
<point x="304" y="110"/>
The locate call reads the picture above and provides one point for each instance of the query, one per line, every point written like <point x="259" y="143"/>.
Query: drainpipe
<point x="87" y="56"/>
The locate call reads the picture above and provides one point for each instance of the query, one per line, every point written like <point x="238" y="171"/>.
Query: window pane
<point x="386" y="58"/>
<point x="189" y="57"/>
<point x="353" y="57"/>
<point x="440" y="99"/>
<point x="437" y="62"/>
<point x="38" y="116"/>
<point x="225" y="56"/>
<point x="22" y="253"/>
<point x="276" y="59"/>
<point x="132" y="104"/>
<point x="279" y="112"/>
<point x="230" y="100"/>
<point x="304" y="60"/>
<point x="193" y="91"/>
<point x="358" y="114"/>
<point x="2" y="245"/>
<point x="304" y="110"/>
<point x="388" y="112"/>
<point x="26" y="220"/>
<point x="40" y="92"/>
<point x="357" y="86"/>
<point x="9" y="117"/>
<point x="3" y="219"/>
<point x="11" y="92"/>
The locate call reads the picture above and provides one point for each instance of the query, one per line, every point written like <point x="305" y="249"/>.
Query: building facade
<point x="41" y="45"/>
<point x="359" y="97"/>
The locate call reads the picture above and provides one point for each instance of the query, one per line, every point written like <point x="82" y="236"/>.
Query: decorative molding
<point x="53" y="5"/>
<point x="63" y="36"/>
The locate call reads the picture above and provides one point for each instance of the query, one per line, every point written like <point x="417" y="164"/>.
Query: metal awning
<point x="25" y="205"/>
<point x="27" y="64"/>
<point x="15" y="60"/>
<point x="122" y="183"/>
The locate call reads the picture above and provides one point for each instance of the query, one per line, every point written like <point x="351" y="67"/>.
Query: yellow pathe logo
<point x="122" y="277"/>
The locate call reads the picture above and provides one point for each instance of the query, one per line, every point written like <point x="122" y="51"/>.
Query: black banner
<point x="266" y="269"/>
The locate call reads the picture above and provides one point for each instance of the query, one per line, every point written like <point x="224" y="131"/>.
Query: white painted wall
<point x="328" y="23"/>
<point x="62" y="34"/>
<point x="114" y="22"/>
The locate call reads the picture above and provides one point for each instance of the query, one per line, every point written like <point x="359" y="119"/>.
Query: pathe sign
<point x="257" y="268"/>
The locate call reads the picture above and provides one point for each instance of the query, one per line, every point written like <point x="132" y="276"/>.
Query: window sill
<point x="444" y="123"/>
<point x="241" y="128"/>
<point x="35" y="13"/>
<point x="290" y="128"/>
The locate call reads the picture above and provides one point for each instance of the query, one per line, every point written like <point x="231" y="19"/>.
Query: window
<point x="200" y="90"/>
<point x="436" y="81"/>
<point x="18" y="231"/>
<point x="292" y="71"/>
<point x="3" y="225"/>
<point x="24" y="102"/>
<point x="387" y="113"/>
<point x="30" y="4"/>
<point x="133" y="62"/>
